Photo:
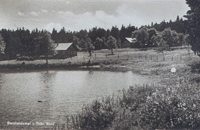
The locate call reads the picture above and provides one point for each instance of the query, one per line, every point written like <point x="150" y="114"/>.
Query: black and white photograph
<point x="99" y="64"/>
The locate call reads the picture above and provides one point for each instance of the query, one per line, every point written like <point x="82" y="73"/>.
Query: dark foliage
<point x="193" y="24"/>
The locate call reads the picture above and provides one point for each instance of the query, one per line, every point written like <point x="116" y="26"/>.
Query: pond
<point x="47" y="95"/>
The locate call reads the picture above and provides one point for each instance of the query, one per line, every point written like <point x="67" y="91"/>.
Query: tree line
<point x="23" y="42"/>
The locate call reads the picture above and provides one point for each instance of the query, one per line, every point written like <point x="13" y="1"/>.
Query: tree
<point x="142" y="36"/>
<point x="129" y="30"/>
<point x="151" y="32"/>
<point x="24" y="40"/>
<point x="177" y="19"/>
<point x="104" y="46"/>
<point x="169" y="36"/>
<point x="94" y="33"/>
<point x="119" y="43"/>
<point x="76" y="40"/>
<point x="181" y="39"/>
<point x="111" y="44"/>
<point x="107" y="33"/>
<point x="2" y="45"/>
<point x="158" y="40"/>
<point x="83" y="41"/>
<point x="187" y="42"/>
<point x="82" y="34"/>
<point x="115" y="32"/>
<point x="89" y="46"/>
<point x="54" y="35"/>
<point x="98" y="43"/>
<point x="47" y="45"/>
<point x="62" y="36"/>
<point x="12" y="44"/>
<point x="122" y="33"/>
<point x="193" y="24"/>
<point x="101" y="32"/>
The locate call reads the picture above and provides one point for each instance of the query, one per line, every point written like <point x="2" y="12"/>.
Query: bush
<point x="97" y="116"/>
<point x="160" y="108"/>
<point x="28" y="58"/>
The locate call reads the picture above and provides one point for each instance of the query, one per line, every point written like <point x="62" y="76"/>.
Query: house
<point x="129" y="42"/>
<point x="65" y="50"/>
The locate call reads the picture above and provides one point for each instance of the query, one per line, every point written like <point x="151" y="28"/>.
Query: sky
<point x="75" y="15"/>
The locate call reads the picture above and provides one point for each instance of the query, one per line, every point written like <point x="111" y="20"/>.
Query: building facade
<point x="66" y="50"/>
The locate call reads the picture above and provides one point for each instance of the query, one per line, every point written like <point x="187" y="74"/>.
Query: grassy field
<point x="123" y="58"/>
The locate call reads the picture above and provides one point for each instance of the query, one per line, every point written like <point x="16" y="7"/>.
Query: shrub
<point x="97" y="116"/>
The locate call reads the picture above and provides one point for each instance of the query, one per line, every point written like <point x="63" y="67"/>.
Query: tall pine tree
<point x="193" y="24"/>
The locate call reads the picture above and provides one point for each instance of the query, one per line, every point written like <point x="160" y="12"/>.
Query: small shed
<point x="66" y="50"/>
<point x="129" y="42"/>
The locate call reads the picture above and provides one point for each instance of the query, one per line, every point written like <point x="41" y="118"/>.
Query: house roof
<point x="130" y="39"/>
<point x="63" y="46"/>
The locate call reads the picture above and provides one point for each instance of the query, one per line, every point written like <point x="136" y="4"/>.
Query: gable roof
<point x="63" y="46"/>
<point x="131" y="40"/>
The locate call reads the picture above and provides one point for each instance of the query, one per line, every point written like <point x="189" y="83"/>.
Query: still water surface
<point x="61" y="92"/>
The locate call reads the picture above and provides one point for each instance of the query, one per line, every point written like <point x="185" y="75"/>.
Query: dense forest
<point x="23" y="42"/>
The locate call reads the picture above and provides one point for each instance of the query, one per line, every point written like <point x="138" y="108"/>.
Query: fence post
<point x="118" y="56"/>
<point x="157" y="57"/>
<point x="83" y="59"/>
<point x="172" y="58"/>
<point x="163" y="58"/>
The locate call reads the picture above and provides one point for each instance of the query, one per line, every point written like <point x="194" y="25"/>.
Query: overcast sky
<point x="86" y="14"/>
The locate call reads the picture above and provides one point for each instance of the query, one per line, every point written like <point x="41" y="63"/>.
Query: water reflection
<point x="47" y="78"/>
<point x="61" y="92"/>
<point x="44" y="106"/>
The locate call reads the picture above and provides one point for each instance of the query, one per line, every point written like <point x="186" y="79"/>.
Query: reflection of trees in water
<point x="90" y="72"/>
<point x="46" y="94"/>
<point x="47" y="78"/>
